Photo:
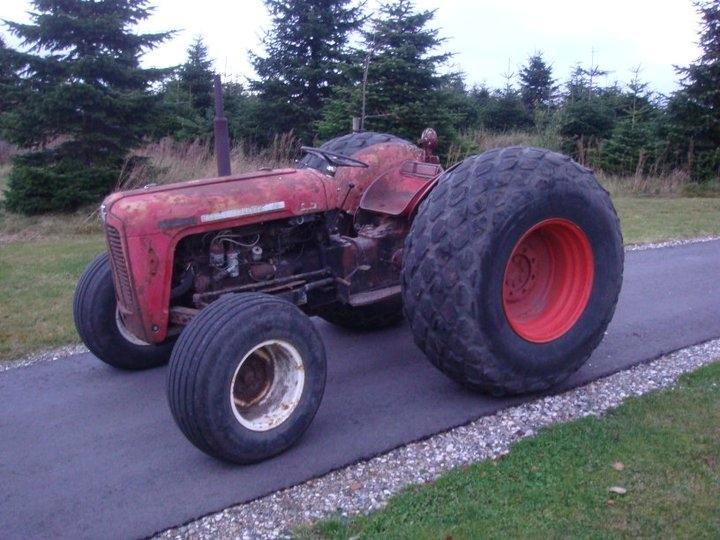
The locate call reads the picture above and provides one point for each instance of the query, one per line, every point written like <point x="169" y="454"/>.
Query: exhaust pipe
<point x="222" y="138"/>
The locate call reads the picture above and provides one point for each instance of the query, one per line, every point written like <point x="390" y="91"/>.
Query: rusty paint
<point x="381" y="158"/>
<point x="182" y="315"/>
<point x="393" y="192"/>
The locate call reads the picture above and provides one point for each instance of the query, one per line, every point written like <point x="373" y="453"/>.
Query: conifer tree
<point x="196" y="77"/>
<point x="480" y="98"/>
<point x="630" y="146"/>
<point x="187" y="98"/>
<point x="585" y="117"/>
<point x="304" y="51"/>
<point x="405" y="91"/>
<point x="695" y="110"/>
<point x="83" y="100"/>
<point x="507" y="110"/>
<point x="537" y="85"/>
<point x="8" y="77"/>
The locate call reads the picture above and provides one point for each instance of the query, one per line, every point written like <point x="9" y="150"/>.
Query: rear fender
<point x="398" y="191"/>
<point x="425" y="191"/>
<point x="351" y="182"/>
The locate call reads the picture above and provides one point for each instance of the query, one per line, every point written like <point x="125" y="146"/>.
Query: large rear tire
<point x="246" y="377"/>
<point x="100" y="325"/>
<point x="512" y="270"/>
<point x="347" y="145"/>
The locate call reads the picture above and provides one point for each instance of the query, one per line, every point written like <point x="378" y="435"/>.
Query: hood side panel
<point x="209" y="204"/>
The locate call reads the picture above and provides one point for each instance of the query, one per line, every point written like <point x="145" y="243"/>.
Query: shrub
<point x="39" y="183"/>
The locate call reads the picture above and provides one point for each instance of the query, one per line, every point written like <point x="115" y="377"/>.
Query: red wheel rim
<point x="548" y="280"/>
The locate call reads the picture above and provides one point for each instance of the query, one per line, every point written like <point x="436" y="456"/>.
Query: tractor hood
<point x="205" y="204"/>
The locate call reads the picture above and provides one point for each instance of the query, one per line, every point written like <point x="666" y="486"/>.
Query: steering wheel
<point x="338" y="160"/>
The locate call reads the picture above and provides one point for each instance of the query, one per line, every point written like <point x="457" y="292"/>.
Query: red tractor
<point x="507" y="267"/>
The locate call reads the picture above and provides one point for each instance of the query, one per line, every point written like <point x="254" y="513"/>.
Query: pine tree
<point x="196" y="77"/>
<point x="695" y="109"/>
<point x="187" y="98"/>
<point x="577" y="86"/>
<point x="304" y="50"/>
<point x="631" y="146"/>
<point x="627" y="150"/>
<point x="537" y="85"/>
<point x="83" y="103"/>
<point x="639" y="102"/>
<point x="242" y="111"/>
<point x="405" y="91"/>
<point x="479" y="98"/>
<point x="507" y="111"/>
<point x="587" y="115"/>
<point x="8" y="77"/>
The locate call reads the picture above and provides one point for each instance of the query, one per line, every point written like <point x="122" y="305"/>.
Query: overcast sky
<point x="486" y="35"/>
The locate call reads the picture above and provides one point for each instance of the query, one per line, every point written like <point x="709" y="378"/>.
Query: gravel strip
<point x="44" y="356"/>
<point x="367" y="485"/>
<point x="670" y="243"/>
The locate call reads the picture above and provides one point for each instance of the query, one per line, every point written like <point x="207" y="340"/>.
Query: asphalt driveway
<point x="90" y="452"/>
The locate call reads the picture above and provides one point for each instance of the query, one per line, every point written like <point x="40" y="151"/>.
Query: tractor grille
<point x="117" y="256"/>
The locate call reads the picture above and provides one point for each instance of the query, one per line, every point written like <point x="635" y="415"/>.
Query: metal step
<point x="370" y="297"/>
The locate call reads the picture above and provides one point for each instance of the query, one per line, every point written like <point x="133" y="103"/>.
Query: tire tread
<point x="439" y="276"/>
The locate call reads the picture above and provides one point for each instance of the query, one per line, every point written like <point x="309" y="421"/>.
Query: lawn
<point x="663" y="449"/>
<point x="37" y="281"/>
<point x="42" y="257"/>
<point x="646" y="219"/>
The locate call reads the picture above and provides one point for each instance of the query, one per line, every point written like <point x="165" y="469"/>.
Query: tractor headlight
<point x="103" y="212"/>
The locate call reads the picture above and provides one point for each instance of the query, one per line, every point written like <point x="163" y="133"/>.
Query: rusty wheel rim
<point x="267" y="385"/>
<point x="548" y="280"/>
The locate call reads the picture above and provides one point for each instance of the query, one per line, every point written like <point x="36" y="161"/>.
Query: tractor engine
<point x="267" y="257"/>
<point x="301" y="259"/>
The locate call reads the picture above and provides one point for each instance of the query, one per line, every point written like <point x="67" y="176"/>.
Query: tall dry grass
<point x="168" y="161"/>
<point x="480" y="140"/>
<point x="673" y="183"/>
<point x="7" y="151"/>
<point x="486" y="140"/>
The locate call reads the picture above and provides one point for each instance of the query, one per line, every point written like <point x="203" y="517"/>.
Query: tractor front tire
<point x="375" y="316"/>
<point x="100" y="326"/>
<point x="512" y="270"/>
<point x="246" y="377"/>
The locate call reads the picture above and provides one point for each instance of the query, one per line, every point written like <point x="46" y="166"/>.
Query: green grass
<point x="556" y="485"/>
<point x="37" y="281"/>
<point x="41" y="258"/>
<point x="646" y="219"/>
